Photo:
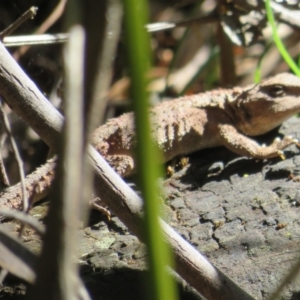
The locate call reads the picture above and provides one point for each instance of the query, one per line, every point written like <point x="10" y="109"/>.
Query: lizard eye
<point x="276" y="91"/>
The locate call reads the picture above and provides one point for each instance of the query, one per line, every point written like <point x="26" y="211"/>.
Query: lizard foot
<point x="282" y="144"/>
<point x="95" y="204"/>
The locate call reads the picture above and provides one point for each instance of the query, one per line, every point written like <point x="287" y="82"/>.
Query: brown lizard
<point x="187" y="124"/>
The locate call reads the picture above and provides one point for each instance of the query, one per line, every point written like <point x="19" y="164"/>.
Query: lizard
<point x="222" y="117"/>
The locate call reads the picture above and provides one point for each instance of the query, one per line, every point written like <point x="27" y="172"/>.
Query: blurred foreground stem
<point x="161" y="284"/>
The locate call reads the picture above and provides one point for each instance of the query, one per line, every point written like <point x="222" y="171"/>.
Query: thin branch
<point x="4" y="176"/>
<point x="54" y="16"/>
<point x="7" y="128"/>
<point x="106" y="59"/>
<point x="17" y="156"/>
<point x="37" y="39"/>
<point x="98" y="85"/>
<point x="29" y="14"/>
<point x="16" y="258"/>
<point x="210" y="17"/>
<point x="57" y="275"/>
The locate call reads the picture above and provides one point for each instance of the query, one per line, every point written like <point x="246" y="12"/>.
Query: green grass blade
<point x="161" y="284"/>
<point x="278" y="41"/>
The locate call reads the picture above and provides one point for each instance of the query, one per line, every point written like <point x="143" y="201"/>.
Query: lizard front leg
<point x="243" y="145"/>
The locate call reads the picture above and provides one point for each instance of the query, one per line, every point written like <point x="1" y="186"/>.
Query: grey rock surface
<point x="242" y="214"/>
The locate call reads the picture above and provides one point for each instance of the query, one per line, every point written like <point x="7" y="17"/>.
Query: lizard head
<point x="266" y="105"/>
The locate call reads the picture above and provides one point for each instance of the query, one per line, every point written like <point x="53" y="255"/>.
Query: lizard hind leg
<point x="123" y="164"/>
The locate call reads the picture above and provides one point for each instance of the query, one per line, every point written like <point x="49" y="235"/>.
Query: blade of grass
<point x="278" y="41"/>
<point x="161" y="284"/>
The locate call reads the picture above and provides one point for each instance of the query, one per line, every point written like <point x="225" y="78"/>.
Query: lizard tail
<point x="37" y="185"/>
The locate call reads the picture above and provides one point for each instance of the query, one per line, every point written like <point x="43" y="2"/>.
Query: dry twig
<point x="29" y="14"/>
